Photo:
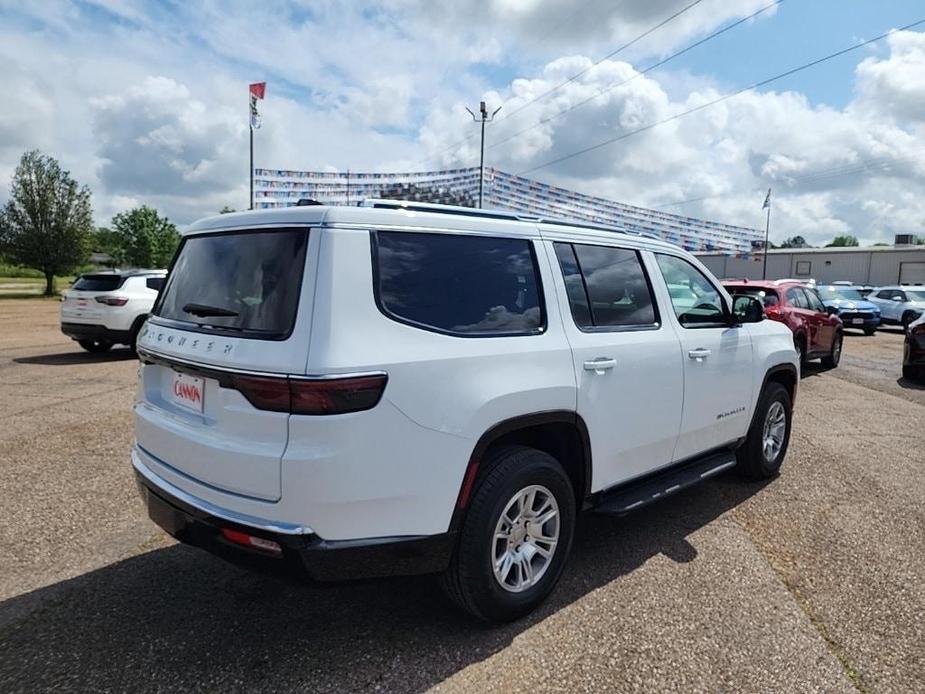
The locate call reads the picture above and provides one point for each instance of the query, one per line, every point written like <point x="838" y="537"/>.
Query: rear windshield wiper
<point x="202" y="310"/>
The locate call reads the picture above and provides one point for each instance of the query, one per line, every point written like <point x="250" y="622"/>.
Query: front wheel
<point x="765" y="446"/>
<point x="831" y="361"/>
<point x="94" y="346"/>
<point x="516" y="536"/>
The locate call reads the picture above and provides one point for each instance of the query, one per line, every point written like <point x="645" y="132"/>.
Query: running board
<point x="636" y="494"/>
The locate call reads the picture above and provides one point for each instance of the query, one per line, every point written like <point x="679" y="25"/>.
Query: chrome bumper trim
<point x="212" y="509"/>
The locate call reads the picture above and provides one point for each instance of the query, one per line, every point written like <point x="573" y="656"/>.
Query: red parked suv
<point x="816" y="333"/>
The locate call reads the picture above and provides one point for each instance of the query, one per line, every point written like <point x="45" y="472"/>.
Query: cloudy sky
<point x="147" y="102"/>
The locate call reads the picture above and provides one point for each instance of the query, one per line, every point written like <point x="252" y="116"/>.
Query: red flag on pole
<point x="258" y="89"/>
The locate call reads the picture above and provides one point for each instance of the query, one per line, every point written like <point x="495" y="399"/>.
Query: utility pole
<point x="482" y="118"/>
<point x="251" y="205"/>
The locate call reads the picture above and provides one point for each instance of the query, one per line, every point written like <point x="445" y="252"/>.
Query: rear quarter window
<point x="466" y="285"/>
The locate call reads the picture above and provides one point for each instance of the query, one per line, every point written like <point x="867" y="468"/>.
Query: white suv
<point x="106" y="308"/>
<point x="402" y="388"/>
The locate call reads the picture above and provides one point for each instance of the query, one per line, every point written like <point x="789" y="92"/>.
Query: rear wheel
<point x="95" y="346"/>
<point x="869" y="331"/>
<point x="912" y="373"/>
<point x="516" y="536"/>
<point x="831" y="361"/>
<point x="765" y="446"/>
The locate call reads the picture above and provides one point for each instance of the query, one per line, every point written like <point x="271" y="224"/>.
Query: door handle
<point x="600" y="365"/>
<point x="699" y="354"/>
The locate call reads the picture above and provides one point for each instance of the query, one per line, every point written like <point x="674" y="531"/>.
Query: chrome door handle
<point x="600" y="365"/>
<point x="699" y="354"/>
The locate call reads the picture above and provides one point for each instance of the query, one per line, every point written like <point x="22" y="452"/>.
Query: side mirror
<point x="896" y="298"/>
<point x="831" y="310"/>
<point x="747" y="309"/>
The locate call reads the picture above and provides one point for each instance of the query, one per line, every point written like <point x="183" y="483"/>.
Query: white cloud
<point x="146" y="103"/>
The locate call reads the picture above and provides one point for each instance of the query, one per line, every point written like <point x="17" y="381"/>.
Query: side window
<point x="610" y="289"/>
<point x="696" y="302"/>
<point x="155" y="283"/>
<point x="884" y="294"/>
<point x="814" y="303"/>
<point x="458" y="284"/>
<point x="900" y="294"/>
<point x="797" y="298"/>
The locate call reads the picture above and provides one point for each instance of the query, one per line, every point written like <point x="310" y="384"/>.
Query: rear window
<point x="768" y="297"/>
<point x="458" y="284"/>
<point x="241" y="283"/>
<point x="98" y="283"/>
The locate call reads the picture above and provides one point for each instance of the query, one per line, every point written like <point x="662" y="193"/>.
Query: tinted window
<point x="155" y="283"/>
<point x="796" y="298"/>
<point x="695" y="300"/>
<point x="574" y="285"/>
<point x="767" y="296"/>
<point x="455" y="283"/>
<point x="243" y="283"/>
<point x="98" y="283"/>
<point x="614" y="286"/>
<point x="814" y="302"/>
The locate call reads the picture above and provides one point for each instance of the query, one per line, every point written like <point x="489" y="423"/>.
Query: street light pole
<point x="482" y="118"/>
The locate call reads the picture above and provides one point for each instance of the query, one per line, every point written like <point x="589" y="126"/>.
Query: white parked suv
<point x="106" y="308"/>
<point x="403" y="388"/>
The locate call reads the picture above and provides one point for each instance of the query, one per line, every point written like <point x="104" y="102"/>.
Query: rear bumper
<point x="303" y="554"/>
<point x="95" y="332"/>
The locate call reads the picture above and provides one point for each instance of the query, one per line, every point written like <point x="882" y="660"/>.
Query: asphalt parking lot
<point x="814" y="582"/>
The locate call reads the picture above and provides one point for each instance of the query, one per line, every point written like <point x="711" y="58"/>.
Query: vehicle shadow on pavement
<point x="179" y="619"/>
<point x="75" y="358"/>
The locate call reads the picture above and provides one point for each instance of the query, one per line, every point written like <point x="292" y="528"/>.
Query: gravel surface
<point x="814" y="582"/>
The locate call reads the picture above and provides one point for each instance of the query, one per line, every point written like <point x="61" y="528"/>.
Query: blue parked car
<point x="850" y="305"/>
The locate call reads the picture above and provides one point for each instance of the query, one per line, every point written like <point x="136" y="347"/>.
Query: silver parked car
<point x="899" y="304"/>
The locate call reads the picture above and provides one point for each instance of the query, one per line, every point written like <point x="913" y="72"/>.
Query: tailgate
<point x="188" y="422"/>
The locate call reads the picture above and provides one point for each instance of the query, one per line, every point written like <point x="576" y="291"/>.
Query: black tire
<point x="831" y="360"/>
<point x="869" y="331"/>
<point x="908" y="317"/>
<point x="470" y="580"/>
<point x="912" y="373"/>
<point x="133" y="334"/>
<point x="752" y="460"/>
<point x="94" y="346"/>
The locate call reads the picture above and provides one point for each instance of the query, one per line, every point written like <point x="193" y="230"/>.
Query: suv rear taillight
<point x="113" y="300"/>
<point x="312" y="396"/>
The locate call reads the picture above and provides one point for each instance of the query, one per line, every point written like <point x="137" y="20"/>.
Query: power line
<point x="718" y="100"/>
<point x="637" y="75"/>
<point x="873" y="164"/>
<point x="578" y="74"/>
<point x="606" y="57"/>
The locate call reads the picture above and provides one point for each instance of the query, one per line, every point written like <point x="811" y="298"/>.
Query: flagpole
<point x="252" y="168"/>
<point x="767" y="234"/>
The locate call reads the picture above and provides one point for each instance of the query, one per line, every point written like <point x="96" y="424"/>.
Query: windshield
<point x="843" y="293"/>
<point x="916" y="294"/>
<point x="245" y="283"/>
<point x="768" y="297"/>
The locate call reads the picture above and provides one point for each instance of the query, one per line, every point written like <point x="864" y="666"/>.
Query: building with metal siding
<point x="875" y="266"/>
<point x="281" y="188"/>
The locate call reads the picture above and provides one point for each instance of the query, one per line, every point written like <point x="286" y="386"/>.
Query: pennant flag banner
<point x="503" y="191"/>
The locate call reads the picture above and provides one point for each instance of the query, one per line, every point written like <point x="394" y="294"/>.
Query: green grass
<point x="29" y="287"/>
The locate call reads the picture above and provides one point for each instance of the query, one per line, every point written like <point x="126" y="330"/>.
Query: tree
<point x="107" y="241"/>
<point x="144" y="237"/>
<point x="47" y="221"/>
<point x="843" y="240"/>
<point x="795" y="242"/>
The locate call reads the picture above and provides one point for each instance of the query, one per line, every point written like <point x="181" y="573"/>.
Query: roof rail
<point x="415" y="206"/>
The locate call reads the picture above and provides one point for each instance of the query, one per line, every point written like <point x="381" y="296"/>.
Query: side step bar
<point x="638" y="493"/>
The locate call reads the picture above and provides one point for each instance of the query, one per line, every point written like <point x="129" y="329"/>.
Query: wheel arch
<point x="786" y="375"/>
<point x="560" y="433"/>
